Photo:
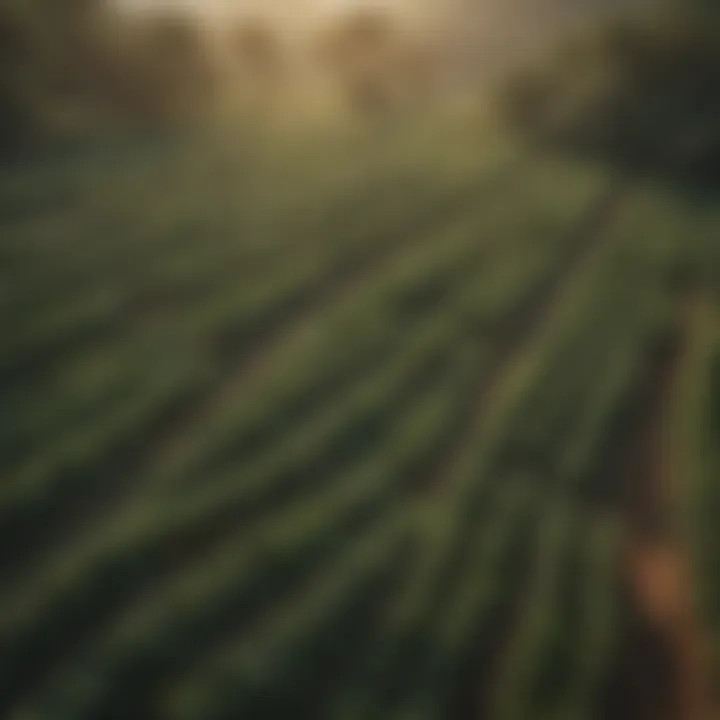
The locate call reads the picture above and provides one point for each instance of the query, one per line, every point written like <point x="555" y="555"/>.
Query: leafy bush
<point x="74" y="67"/>
<point x="642" y="93"/>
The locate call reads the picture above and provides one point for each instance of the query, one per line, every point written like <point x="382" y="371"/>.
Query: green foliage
<point x="641" y="93"/>
<point x="80" y="68"/>
<point x="324" y="431"/>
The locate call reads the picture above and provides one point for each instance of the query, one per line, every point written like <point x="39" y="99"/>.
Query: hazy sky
<point x="289" y="6"/>
<point x="297" y="13"/>
<point x="487" y="12"/>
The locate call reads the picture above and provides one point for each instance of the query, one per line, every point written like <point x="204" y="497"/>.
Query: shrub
<point x="72" y="68"/>
<point x="642" y="93"/>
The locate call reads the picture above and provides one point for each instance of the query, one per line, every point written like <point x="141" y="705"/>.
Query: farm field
<point x="418" y="426"/>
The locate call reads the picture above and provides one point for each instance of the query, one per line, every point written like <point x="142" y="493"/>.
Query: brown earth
<point x="669" y="677"/>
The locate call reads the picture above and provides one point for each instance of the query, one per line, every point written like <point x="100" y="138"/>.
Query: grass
<point x="326" y="429"/>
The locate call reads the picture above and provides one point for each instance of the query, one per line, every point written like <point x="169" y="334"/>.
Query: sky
<point x="287" y="6"/>
<point x="301" y="10"/>
<point x="299" y="14"/>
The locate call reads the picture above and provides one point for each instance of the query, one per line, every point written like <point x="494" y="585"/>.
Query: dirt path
<point x="663" y="583"/>
<point x="662" y="588"/>
<point x="666" y="669"/>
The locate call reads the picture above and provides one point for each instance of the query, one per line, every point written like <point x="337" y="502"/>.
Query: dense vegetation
<point x="79" y="68"/>
<point x="642" y="92"/>
<point x="83" y="68"/>
<point x="346" y="430"/>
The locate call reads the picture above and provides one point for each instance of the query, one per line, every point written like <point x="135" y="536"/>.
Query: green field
<point x="400" y="427"/>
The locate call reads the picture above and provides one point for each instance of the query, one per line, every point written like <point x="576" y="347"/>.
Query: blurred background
<point x="89" y="66"/>
<point x="359" y="360"/>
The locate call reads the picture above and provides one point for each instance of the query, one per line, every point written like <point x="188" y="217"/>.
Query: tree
<point x="69" y="67"/>
<point x="378" y="63"/>
<point x="641" y="92"/>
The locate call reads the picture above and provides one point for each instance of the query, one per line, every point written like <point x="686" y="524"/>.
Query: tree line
<point x="641" y="92"/>
<point x="70" y="67"/>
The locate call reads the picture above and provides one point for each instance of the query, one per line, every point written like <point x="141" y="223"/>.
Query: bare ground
<point x="664" y="672"/>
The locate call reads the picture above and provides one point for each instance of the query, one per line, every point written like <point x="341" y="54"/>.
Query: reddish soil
<point x="662" y="590"/>
<point x="664" y="669"/>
